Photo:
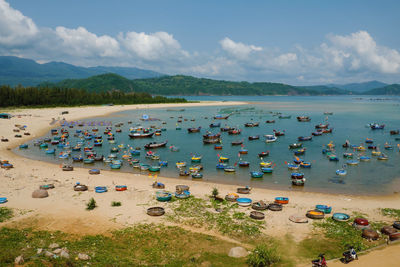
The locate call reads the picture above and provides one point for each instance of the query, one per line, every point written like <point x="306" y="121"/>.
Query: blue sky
<point x="295" y="42"/>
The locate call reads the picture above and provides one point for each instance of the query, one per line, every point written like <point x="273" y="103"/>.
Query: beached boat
<point x="100" y="189"/>
<point x="341" y="217"/>
<point x="282" y="200"/>
<point x="182" y="194"/>
<point x="153" y="145"/>
<point x="244" y="202"/>
<point x="324" y="208"/>
<point x="163" y="196"/>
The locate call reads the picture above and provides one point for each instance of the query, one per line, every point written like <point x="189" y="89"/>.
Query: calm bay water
<point x="349" y="119"/>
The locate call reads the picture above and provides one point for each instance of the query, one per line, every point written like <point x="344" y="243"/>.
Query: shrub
<point x="264" y="255"/>
<point x="91" y="204"/>
<point x="214" y="192"/>
<point x="116" y="204"/>
<point x="5" y="214"/>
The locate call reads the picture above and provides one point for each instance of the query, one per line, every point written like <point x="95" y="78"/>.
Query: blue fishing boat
<point x="282" y="200"/>
<point x="3" y="200"/>
<point x="305" y="164"/>
<point x="221" y="166"/>
<point x="197" y="175"/>
<point x="297" y="175"/>
<point x="154" y="168"/>
<point x="364" y="158"/>
<point x="182" y="194"/>
<point x="292" y="166"/>
<point x="341" y="172"/>
<point x="114" y="166"/>
<point x="88" y="161"/>
<point x="352" y="162"/>
<point x="267" y="169"/>
<point x="23" y="146"/>
<point x="50" y="151"/>
<point x="255" y="174"/>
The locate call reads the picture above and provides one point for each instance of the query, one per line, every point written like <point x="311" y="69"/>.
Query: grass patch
<point x="394" y="213"/>
<point x="266" y="254"/>
<point x="91" y="204"/>
<point x="116" y="204"/>
<point x="141" y="245"/>
<point x="5" y="213"/>
<point x="229" y="220"/>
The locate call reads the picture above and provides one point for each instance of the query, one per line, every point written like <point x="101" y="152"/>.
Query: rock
<point x="40" y="193"/>
<point x="205" y="264"/>
<point x="39" y="251"/>
<point x="83" y="257"/>
<point x="54" y="245"/>
<point x="19" y="260"/>
<point x="57" y="251"/>
<point x="238" y="252"/>
<point x="48" y="254"/>
<point x="64" y="254"/>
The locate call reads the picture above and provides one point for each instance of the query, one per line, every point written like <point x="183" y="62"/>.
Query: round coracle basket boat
<point x="155" y="211"/>
<point x="182" y="188"/>
<point x="80" y="187"/>
<point x="94" y="171"/>
<point x="121" y="188"/>
<point x="232" y="197"/>
<point x="370" y="234"/>
<point x="298" y="219"/>
<point x="244" y="202"/>
<point x="282" y="200"/>
<point x="100" y="189"/>
<point x="259" y="205"/>
<point x="244" y="190"/>
<point x="388" y="230"/>
<point x="47" y="186"/>
<point x="275" y="207"/>
<point x="158" y="185"/>
<point x="3" y="200"/>
<point x="341" y="217"/>
<point x="67" y="168"/>
<point x="361" y="221"/>
<point x="315" y="214"/>
<point x="257" y="215"/>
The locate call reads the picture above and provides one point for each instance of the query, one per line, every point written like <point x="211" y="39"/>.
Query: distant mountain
<point x="359" y="87"/>
<point x="326" y="90"/>
<point x="187" y="85"/>
<point x="27" y="72"/>
<point x="393" y="89"/>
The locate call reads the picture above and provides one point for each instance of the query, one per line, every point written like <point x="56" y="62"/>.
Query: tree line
<point x="58" y="96"/>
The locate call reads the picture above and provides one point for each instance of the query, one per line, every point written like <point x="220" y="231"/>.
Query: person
<point x="353" y="253"/>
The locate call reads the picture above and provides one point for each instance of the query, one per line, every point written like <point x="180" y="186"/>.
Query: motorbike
<point x="350" y="255"/>
<point x="321" y="262"/>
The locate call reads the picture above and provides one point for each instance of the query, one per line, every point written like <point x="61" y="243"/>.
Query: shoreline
<point x="28" y="174"/>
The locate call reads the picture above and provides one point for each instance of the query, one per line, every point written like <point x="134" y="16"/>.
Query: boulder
<point x="54" y="245"/>
<point x="238" y="252"/>
<point x="40" y="193"/>
<point x="39" y="251"/>
<point x="64" y="254"/>
<point x="57" y="251"/>
<point x="48" y="254"/>
<point x="19" y="260"/>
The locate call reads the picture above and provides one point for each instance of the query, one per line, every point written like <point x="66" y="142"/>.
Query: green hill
<point x="392" y="89"/>
<point x="185" y="85"/>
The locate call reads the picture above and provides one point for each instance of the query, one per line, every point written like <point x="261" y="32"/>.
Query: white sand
<point x="65" y="210"/>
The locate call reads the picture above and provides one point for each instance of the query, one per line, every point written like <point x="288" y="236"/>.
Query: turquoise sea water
<point x="349" y="119"/>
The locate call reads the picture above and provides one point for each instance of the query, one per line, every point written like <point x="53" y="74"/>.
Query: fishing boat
<point x="369" y="141"/>
<point x="295" y="145"/>
<point x="223" y="159"/>
<point x="265" y="163"/>
<point x="243" y="163"/>
<point x="221" y="166"/>
<point x="394" y="132"/>
<point x="270" y="121"/>
<point x="215" y="125"/>
<point x="292" y="166"/>
<point x="209" y="135"/>
<point x="352" y="162"/>
<point x="269" y="138"/>
<point x="300" y="151"/>
<point x="155" y="145"/>
<point x="50" y="151"/>
<point x="194" y="130"/>
<point x="297" y="175"/>
<point x="282" y="200"/>
<point x="304" y="138"/>
<point x="77" y="159"/>
<point x="388" y="146"/>
<point x="182" y="194"/>
<point x="252" y="124"/>
<point x="333" y="158"/>
<point x="23" y="146"/>
<point x="114" y="166"/>
<point x="372" y="147"/>
<point x="196" y="158"/>
<point x="211" y="141"/>
<point x="222" y="117"/>
<point x="154" y="168"/>
<point x="234" y="131"/>
<point x="237" y="142"/>
<point x="321" y="126"/>
<point x="218" y="147"/>
<point x="284" y="116"/>
<point x="376" y="126"/>
<point x="184" y="173"/>
<point x="298" y="181"/>
<point x="326" y="130"/>
<point x="364" y="158"/>
<point x="141" y="135"/>
<point x="383" y="157"/>
<point x="268" y="169"/>
<point x="316" y="133"/>
<point x="226" y="129"/>
<point x="279" y="133"/>
<point x="376" y="152"/>
<point x="254" y="137"/>
<point x="180" y="164"/>
<point x="341" y="172"/>
<point x="303" y="118"/>
<point x="263" y="154"/>
<point x="256" y="174"/>
<point x="243" y="151"/>
<point x="305" y="164"/>
<point x="197" y="175"/>
<point x="229" y="169"/>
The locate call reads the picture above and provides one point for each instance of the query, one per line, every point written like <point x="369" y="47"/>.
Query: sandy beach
<point x="64" y="209"/>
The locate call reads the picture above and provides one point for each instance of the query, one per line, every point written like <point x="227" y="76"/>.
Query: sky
<point x="293" y="42"/>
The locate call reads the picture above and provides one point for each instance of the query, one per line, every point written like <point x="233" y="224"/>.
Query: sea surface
<point x="350" y="116"/>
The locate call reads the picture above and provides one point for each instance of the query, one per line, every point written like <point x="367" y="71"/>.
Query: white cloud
<point x="239" y="50"/>
<point x="152" y="46"/>
<point x="15" y="28"/>
<point x="81" y="42"/>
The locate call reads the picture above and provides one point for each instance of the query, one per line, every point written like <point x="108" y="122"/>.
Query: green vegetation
<point x="214" y="192"/>
<point x="393" y="89"/>
<point x="46" y="96"/>
<point x="142" y="245"/>
<point x="264" y="255"/>
<point x="187" y="85"/>
<point x="5" y="213"/>
<point x="116" y="204"/>
<point x="394" y="213"/>
<point x="91" y="205"/>
<point x="223" y="217"/>
<point x="337" y="237"/>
